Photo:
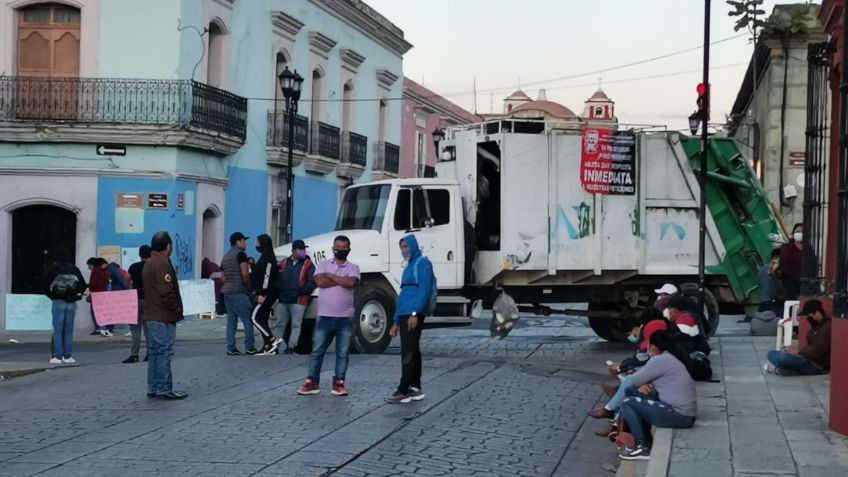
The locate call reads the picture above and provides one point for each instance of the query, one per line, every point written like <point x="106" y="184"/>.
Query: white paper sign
<point x="198" y="296"/>
<point x="129" y="256"/>
<point x="29" y="313"/>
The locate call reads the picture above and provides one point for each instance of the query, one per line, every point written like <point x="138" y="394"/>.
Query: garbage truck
<point x="548" y="215"/>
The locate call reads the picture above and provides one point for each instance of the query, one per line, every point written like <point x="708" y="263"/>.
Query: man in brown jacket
<point x="163" y="308"/>
<point x="813" y="358"/>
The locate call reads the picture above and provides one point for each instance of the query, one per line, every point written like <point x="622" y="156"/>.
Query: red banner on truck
<point x="608" y="162"/>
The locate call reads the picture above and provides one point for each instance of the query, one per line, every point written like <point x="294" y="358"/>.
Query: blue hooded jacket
<point x="414" y="296"/>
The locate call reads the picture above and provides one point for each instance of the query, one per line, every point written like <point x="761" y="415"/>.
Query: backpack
<point x="434" y="289"/>
<point x="701" y="369"/>
<point x="65" y="286"/>
<point x="764" y="323"/>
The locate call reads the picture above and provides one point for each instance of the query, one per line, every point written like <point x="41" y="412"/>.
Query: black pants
<point x="260" y="316"/>
<point x="410" y="353"/>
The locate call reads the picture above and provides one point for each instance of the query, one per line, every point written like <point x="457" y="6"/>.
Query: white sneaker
<point x="55" y="361"/>
<point x="128" y="333"/>
<point x="105" y="333"/>
<point x="69" y="361"/>
<point x="768" y="368"/>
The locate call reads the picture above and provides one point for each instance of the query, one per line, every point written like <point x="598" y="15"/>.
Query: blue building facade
<point x="121" y="118"/>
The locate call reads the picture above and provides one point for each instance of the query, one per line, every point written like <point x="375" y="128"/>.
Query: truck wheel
<point x="614" y="330"/>
<point x="711" y="310"/>
<point x="372" y="320"/>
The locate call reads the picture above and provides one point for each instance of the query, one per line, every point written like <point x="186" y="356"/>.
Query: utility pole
<point x="702" y="175"/>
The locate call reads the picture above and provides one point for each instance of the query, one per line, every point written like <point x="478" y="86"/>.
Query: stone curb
<point x="657" y="466"/>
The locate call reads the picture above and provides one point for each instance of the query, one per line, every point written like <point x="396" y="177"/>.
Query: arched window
<point x="49" y="41"/>
<point x="599" y="112"/>
<point x="347" y="106"/>
<point x="381" y="118"/>
<point x="281" y="62"/>
<point x="317" y="95"/>
<point x="215" y="67"/>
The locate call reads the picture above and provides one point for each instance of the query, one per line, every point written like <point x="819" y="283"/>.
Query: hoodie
<point x="264" y="274"/>
<point x="414" y="296"/>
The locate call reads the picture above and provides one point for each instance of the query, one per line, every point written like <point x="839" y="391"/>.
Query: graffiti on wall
<point x="585" y="222"/>
<point x="182" y="256"/>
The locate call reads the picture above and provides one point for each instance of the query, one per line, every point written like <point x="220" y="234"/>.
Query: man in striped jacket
<point x="296" y="284"/>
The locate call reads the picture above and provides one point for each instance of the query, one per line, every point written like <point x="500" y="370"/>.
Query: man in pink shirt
<point x="336" y="278"/>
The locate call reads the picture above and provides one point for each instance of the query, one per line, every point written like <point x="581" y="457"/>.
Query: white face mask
<point x="667" y="314"/>
<point x="798" y="236"/>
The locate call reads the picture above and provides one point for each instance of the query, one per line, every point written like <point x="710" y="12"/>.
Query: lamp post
<point x="291" y="84"/>
<point x="438" y="136"/>
<point x="694" y="122"/>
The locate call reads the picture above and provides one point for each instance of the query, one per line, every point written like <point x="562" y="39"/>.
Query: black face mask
<point x="341" y="254"/>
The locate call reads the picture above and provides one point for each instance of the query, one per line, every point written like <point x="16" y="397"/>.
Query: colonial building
<point x="119" y="118"/>
<point x="771" y="124"/>
<point x="598" y="110"/>
<point x="424" y="112"/>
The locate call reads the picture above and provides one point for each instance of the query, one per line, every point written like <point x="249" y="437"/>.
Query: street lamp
<point x="694" y="122"/>
<point x="438" y="136"/>
<point x="291" y="84"/>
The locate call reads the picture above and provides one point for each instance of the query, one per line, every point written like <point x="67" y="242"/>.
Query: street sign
<point x="157" y="201"/>
<point x="130" y="201"/>
<point x="111" y="150"/>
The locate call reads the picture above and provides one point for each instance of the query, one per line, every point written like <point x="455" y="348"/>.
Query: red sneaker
<point x="309" y="388"/>
<point x="338" y="388"/>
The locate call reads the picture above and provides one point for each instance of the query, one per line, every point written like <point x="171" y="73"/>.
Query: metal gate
<point x="815" y="169"/>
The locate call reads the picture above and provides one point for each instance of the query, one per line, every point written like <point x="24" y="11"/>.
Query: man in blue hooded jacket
<point x="413" y="301"/>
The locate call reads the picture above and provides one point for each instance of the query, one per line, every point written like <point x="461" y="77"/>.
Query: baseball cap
<point x="667" y="289"/>
<point x="236" y="237"/>
<point x="299" y="244"/>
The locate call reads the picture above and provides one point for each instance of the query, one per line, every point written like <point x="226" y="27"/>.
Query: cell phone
<point x="609" y="363"/>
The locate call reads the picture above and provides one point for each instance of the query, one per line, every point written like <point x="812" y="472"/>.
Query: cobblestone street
<point x="513" y="407"/>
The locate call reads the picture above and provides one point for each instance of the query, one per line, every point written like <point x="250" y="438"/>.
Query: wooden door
<point x="48" y="62"/>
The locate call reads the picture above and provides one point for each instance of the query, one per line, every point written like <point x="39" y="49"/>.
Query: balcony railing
<point x="388" y="158"/>
<point x="278" y="131"/>
<point x="181" y="103"/>
<point x="325" y="140"/>
<point x="354" y="148"/>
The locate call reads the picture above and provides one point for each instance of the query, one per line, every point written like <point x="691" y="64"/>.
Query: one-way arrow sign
<point x="111" y="150"/>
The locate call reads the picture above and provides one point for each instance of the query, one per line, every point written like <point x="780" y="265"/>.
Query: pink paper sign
<point x="115" y="307"/>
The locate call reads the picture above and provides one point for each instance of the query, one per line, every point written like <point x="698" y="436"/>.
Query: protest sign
<point x="115" y="307"/>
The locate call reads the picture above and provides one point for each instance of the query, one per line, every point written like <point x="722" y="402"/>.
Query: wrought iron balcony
<point x="134" y="111"/>
<point x="324" y="150"/>
<point x="278" y="131"/>
<point x="354" y="155"/>
<point x="387" y="164"/>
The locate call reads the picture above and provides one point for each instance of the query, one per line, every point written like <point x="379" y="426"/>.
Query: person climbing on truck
<point x="416" y="300"/>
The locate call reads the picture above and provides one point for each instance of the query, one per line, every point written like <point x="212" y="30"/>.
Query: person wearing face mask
<point x="663" y="296"/>
<point x="669" y="376"/>
<point x="296" y="284"/>
<point x="413" y="301"/>
<point x="791" y="256"/>
<point x="337" y="279"/>
<point x="264" y="276"/>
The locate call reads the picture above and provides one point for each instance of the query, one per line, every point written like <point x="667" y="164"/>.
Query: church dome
<point x="555" y="110"/>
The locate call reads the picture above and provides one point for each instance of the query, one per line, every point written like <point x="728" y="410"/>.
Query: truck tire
<point x="711" y="310"/>
<point x="609" y="329"/>
<point x="372" y="320"/>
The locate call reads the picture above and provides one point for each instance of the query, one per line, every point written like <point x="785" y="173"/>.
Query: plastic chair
<point x="786" y="324"/>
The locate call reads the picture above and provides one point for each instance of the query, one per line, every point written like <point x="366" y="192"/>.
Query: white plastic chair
<point x="785" y="325"/>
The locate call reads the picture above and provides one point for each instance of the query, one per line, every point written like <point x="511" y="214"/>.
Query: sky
<point x="536" y="43"/>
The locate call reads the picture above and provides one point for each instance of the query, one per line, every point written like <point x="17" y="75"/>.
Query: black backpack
<point x="701" y="369"/>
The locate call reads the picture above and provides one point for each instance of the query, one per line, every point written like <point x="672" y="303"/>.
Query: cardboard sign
<point x="28" y="313"/>
<point x="198" y="296"/>
<point x="608" y="162"/>
<point x="115" y="307"/>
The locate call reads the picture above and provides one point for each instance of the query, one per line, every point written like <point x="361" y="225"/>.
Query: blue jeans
<point x="641" y="413"/>
<point x="63" y="328"/>
<point x="325" y="330"/>
<point x="625" y="390"/>
<point x="162" y="337"/>
<point x="239" y="307"/>
<point x="789" y="364"/>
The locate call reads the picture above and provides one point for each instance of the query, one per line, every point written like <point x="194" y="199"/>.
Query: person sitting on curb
<point x="682" y="313"/>
<point x="669" y="376"/>
<point x="650" y="321"/>
<point x="664" y="294"/>
<point x="812" y="359"/>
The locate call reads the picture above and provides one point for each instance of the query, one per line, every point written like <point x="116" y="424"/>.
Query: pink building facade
<point x="424" y="111"/>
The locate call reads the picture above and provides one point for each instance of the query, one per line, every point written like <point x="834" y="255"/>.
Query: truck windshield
<point x="363" y="208"/>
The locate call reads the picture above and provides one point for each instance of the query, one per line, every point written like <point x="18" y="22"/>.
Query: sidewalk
<point x="751" y="423"/>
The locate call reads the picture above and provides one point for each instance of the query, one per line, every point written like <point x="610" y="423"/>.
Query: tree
<point x="749" y="15"/>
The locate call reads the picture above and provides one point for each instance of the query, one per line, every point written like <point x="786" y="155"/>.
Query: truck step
<point x="453" y="300"/>
<point x="452" y="320"/>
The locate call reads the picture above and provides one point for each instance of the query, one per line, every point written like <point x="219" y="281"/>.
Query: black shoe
<point x="151" y="395"/>
<point x="145" y="358"/>
<point x="288" y="351"/>
<point x="94" y="333"/>
<point x="172" y="396"/>
<point x="234" y="352"/>
<point x="131" y="359"/>
<point x="250" y="352"/>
